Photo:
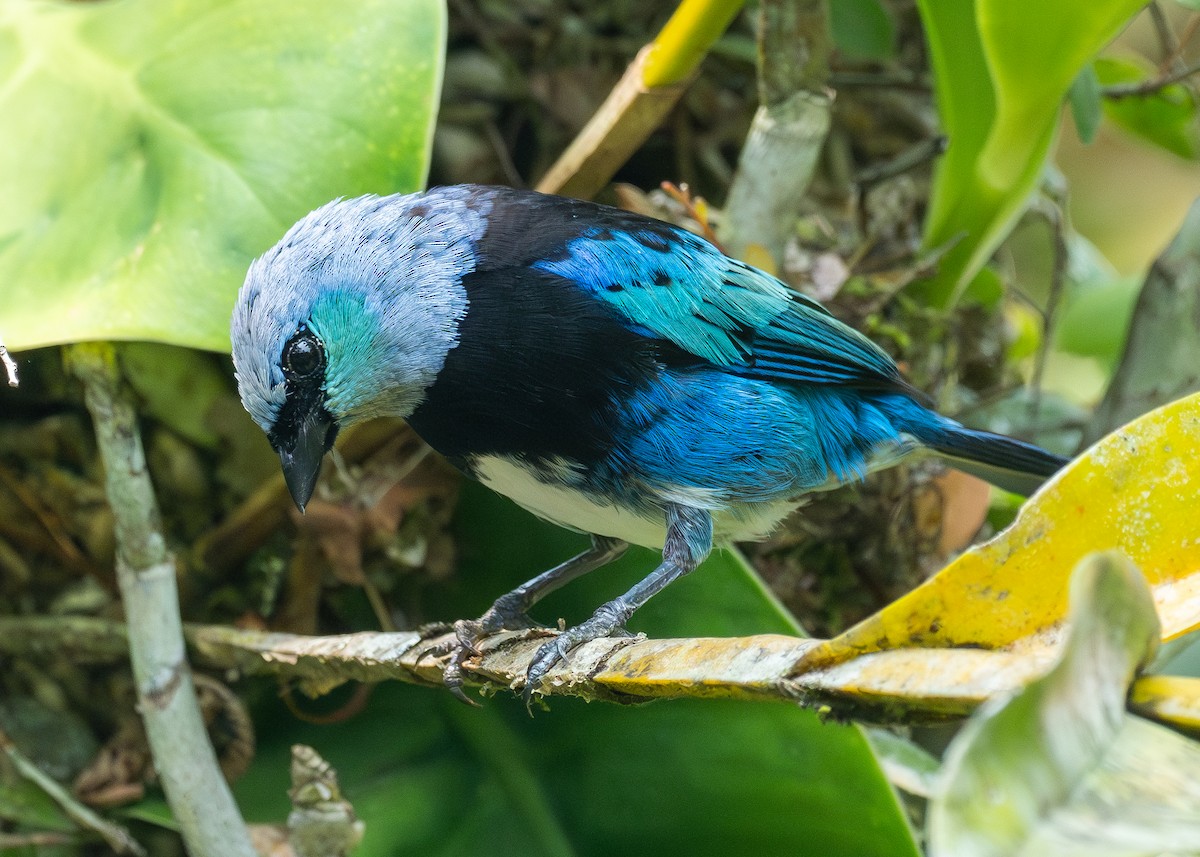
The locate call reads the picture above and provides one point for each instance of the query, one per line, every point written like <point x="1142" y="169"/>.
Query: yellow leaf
<point x="1174" y="700"/>
<point x="995" y="615"/>
<point x="760" y="257"/>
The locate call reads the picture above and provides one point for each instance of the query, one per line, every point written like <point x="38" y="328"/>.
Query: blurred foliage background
<point x="392" y="539"/>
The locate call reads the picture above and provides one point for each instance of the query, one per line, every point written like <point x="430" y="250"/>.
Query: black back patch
<point x="525" y="227"/>
<point x="536" y="372"/>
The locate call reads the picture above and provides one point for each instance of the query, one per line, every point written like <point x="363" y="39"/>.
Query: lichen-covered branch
<point x="623" y="669"/>
<point x="183" y="757"/>
<point x="789" y="129"/>
<point x="1159" y="362"/>
<point x="908" y="685"/>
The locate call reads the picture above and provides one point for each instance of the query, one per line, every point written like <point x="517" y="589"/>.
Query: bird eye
<point x="303" y="355"/>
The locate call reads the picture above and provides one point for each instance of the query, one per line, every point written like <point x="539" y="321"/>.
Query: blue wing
<point x="676" y="286"/>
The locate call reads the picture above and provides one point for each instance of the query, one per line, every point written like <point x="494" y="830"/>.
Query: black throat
<point x="304" y="396"/>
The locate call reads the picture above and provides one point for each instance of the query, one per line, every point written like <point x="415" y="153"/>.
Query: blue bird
<point x="609" y="372"/>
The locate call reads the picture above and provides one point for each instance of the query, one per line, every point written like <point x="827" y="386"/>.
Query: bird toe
<point x="468" y="634"/>
<point x="608" y="621"/>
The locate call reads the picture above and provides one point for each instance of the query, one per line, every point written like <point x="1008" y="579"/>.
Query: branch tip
<point x="10" y="366"/>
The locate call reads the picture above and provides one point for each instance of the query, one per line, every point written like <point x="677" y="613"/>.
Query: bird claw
<point x="468" y="634"/>
<point x="608" y="621"/>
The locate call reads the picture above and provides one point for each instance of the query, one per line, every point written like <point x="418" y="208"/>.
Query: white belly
<point x="573" y="509"/>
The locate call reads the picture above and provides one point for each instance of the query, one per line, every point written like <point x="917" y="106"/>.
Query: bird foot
<point x="469" y="633"/>
<point x="608" y="621"/>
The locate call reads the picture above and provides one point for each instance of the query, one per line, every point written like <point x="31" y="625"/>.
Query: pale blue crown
<point x="378" y="280"/>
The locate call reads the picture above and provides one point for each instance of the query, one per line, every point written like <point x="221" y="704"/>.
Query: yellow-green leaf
<point x="1002" y="69"/>
<point x="152" y="148"/>
<point x="995" y="614"/>
<point x="1170" y="699"/>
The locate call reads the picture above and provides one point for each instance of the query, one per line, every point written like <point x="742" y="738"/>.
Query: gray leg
<point x="511" y="607"/>
<point x="689" y="541"/>
<point x="508" y="612"/>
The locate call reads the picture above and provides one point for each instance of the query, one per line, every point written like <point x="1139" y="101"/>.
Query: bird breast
<point x="537" y="491"/>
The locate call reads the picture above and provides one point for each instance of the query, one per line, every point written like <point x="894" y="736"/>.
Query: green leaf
<point x="1060" y="768"/>
<point x="1086" y="107"/>
<point x="1095" y="319"/>
<point x="24" y="804"/>
<point x="154" y="147"/>
<point x="1165" y="117"/>
<point x="177" y="386"/>
<point x="985" y="289"/>
<point x="430" y="776"/>
<point x="862" y="29"/>
<point x="908" y="766"/>
<point x="152" y="809"/>
<point x="1002" y="69"/>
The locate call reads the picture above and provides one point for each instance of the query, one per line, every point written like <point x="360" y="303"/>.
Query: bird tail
<point x="1007" y="463"/>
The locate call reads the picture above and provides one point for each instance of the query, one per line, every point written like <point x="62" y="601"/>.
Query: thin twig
<point x="1166" y="36"/>
<point x="47" y="518"/>
<point x="1149" y="87"/>
<point x="1186" y="36"/>
<point x="184" y="759"/>
<point x="1052" y="211"/>
<point x="909" y="159"/>
<point x="503" y="156"/>
<point x="117" y="837"/>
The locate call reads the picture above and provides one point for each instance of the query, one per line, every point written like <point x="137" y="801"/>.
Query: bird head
<point x="351" y="316"/>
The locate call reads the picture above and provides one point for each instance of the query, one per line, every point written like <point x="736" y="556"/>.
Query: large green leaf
<point x="430" y="776"/>
<point x="1002" y="69"/>
<point x="154" y="147"/>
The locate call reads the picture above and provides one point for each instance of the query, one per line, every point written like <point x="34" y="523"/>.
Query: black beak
<point x="302" y="463"/>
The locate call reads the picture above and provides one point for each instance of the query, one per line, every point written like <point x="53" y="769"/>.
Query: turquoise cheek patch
<point x="350" y="334"/>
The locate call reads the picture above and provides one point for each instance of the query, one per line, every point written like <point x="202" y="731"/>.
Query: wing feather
<point x="717" y="308"/>
<point x="666" y="283"/>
